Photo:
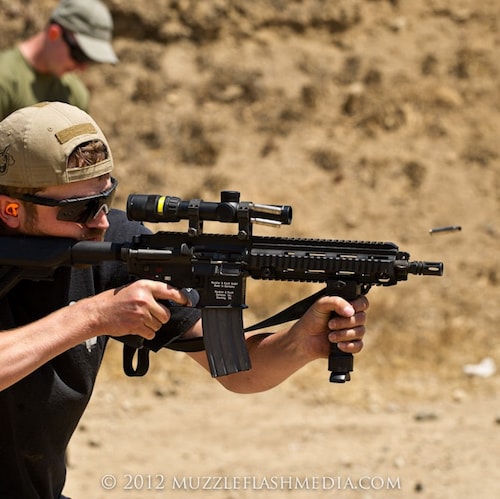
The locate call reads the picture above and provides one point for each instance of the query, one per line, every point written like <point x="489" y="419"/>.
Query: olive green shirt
<point x="21" y="85"/>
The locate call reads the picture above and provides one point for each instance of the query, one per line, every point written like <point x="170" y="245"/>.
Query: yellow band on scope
<point x="160" y="205"/>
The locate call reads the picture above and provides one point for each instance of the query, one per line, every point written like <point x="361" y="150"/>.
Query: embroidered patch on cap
<point x="6" y="160"/>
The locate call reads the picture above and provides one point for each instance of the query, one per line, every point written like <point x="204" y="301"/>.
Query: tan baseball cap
<point x="92" y="25"/>
<point x="36" y="141"/>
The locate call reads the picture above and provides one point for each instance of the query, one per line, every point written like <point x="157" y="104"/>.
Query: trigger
<point x="192" y="295"/>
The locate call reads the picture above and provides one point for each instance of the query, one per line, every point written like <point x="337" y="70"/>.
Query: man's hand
<point x="134" y="309"/>
<point x="333" y="320"/>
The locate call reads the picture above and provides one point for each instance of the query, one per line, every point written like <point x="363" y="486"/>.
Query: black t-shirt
<point x="39" y="414"/>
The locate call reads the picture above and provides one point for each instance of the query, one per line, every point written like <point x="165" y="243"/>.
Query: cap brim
<point x="96" y="49"/>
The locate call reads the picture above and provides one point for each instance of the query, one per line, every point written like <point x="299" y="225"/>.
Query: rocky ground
<point x="376" y="120"/>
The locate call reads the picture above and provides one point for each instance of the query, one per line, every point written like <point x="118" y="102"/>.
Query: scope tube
<point x="157" y="208"/>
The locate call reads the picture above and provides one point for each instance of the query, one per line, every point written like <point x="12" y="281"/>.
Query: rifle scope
<point x="157" y="208"/>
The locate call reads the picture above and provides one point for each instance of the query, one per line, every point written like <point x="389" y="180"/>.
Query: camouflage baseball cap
<point x="36" y="141"/>
<point x="92" y="25"/>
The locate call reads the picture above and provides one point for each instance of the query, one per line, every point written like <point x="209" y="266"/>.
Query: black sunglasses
<point x="79" y="210"/>
<point x="75" y="51"/>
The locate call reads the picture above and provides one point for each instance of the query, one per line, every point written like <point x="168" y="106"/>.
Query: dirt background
<point x="375" y="120"/>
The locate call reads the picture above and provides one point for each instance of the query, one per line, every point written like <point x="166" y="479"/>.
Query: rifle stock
<point x="218" y="265"/>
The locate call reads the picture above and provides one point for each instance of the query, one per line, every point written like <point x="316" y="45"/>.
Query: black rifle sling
<point x="142" y="360"/>
<point x="291" y="313"/>
<point x="295" y="311"/>
<point x="134" y="350"/>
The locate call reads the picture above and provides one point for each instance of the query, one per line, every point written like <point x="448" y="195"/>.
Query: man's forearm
<point x="25" y="349"/>
<point x="274" y="358"/>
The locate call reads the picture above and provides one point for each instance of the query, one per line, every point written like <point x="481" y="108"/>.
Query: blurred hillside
<point x="374" y="119"/>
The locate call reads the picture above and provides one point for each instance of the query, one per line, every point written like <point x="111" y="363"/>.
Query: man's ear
<point x="9" y="211"/>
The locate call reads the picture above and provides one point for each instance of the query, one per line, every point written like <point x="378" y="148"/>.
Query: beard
<point x="93" y="234"/>
<point x="83" y="234"/>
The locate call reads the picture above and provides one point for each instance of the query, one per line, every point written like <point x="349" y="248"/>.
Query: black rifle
<point x="217" y="265"/>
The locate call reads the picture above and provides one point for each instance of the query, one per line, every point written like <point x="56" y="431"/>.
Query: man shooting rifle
<point x="55" y="181"/>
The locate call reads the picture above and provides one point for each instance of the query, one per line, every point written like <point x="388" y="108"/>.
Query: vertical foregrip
<point x="341" y="364"/>
<point x="224" y="340"/>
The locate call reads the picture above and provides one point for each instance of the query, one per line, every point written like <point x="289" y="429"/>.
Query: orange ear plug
<point x="11" y="209"/>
